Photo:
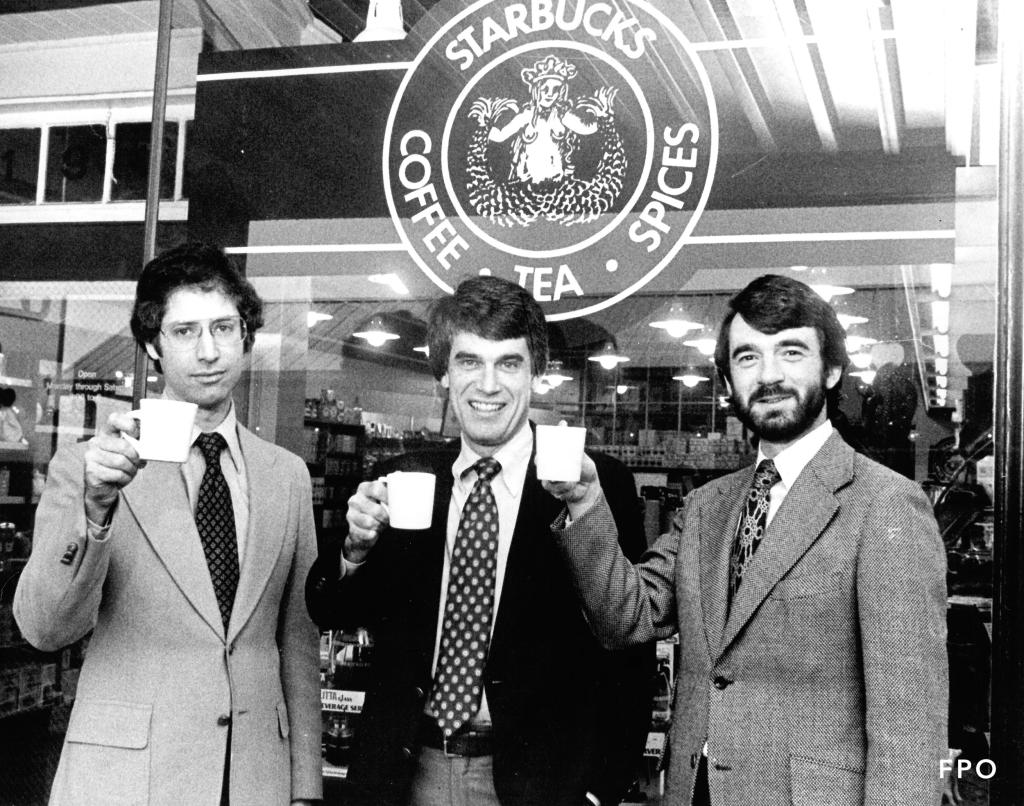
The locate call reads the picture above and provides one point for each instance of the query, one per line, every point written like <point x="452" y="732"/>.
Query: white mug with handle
<point x="165" y="429"/>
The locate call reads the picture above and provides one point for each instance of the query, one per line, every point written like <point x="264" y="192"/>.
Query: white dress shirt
<point x="791" y="462"/>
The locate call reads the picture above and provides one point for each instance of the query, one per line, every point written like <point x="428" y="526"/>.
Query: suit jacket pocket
<point x="107" y="752"/>
<point x="815" y="782"/>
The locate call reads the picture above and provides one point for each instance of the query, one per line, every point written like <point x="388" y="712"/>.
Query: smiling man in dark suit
<point x="548" y="718"/>
<point x="809" y="594"/>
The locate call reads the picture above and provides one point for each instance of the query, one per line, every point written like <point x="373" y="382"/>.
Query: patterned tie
<point x="466" y="629"/>
<point x="215" y="520"/>
<point x="753" y="522"/>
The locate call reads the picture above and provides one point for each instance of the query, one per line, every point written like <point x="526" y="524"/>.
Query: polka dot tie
<point x="466" y="628"/>
<point x="215" y="520"/>
<point x="753" y="522"/>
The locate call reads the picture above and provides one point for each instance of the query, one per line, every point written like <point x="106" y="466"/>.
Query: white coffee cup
<point x="559" y="452"/>
<point x="165" y="429"/>
<point x="410" y="499"/>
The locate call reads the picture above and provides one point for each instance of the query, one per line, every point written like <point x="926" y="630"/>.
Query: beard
<point x="781" y="425"/>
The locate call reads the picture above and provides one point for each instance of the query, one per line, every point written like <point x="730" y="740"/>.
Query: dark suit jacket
<point x="825" y="681"/>
<point x="569" y="717"/>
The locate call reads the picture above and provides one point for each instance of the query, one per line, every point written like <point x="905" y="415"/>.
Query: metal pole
<point x="156" y="155"/>
<point x="1007" y="786"/>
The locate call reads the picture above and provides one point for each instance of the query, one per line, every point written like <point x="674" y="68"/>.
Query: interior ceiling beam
<point x="250" y="24"/>
<point x="755" y="104"/>
<point x="810" y="73"/>
<point x="340" y="16"/>
<point x="890" y="98"/>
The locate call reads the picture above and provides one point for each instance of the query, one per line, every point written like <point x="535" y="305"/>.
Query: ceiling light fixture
<point x="703" y="346"/>
<point x="375" y="334"/>
<point x="827" y="291"/>
<point x="554" y="376"/>
<point x="860" y="360"/>
<point x="392" y="281"/>
<point x="942" y="279"/>
<point x="940" y="315"/>
<point x="423" y="348"/>
<point x="676" y="325"/>
<point x="607" y="357"/>
<point x="847" y="320"/>
<point x="689" y="378"/>
<point x="314" y="317"/>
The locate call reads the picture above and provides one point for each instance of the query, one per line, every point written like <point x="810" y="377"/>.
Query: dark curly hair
<point x="772" y="303"/>
<point x="193" y="264"/>
<point x="492" y="308"/>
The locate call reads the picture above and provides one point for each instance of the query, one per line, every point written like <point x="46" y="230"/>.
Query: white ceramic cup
<point x="165" y="429"/>
<point x="410" y="499"/>
<point x="559" y="452"/>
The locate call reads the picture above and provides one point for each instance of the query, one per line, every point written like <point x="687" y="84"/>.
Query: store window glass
<point x="19" y="165"/>
<point x="857" y="152"/>
<point x="131" y="161"/>
<point x="77" y="156"/>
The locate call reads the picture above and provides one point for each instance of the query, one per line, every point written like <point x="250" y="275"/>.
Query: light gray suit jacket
<point x="825" y="683"/>
<point x="160" y="678"/>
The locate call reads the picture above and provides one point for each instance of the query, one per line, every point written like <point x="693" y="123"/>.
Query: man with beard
<point x="809" y="593"/>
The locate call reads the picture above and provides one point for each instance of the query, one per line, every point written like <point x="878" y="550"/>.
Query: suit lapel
<point x="159" y="502"/>
<point x="718" y="527"/>
<point x="268" y="513"/>
<point x="524" y="571"/>
<point x="808" y="508"/>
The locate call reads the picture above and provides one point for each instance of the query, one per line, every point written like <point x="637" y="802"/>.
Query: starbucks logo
<point x="568" y="146"/>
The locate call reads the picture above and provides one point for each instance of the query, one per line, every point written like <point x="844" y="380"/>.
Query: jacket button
<point x="224" y="720"/>
<point x="420" y="693"/>
<point x="721" y="682"/>
<point x="407" y="752"/>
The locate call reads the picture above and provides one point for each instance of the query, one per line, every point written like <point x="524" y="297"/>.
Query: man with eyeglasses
<point x="200" y="683"/>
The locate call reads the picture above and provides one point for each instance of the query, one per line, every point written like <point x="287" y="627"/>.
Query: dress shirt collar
<point x="228" y="429"/>
<point x="514" y="457"/>
<point x="791" y="461"/>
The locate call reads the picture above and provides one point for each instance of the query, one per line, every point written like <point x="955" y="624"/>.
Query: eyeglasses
<point x="227" y="332"/>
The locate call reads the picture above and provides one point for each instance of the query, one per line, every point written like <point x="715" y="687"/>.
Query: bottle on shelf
<point x="328" y="409"/>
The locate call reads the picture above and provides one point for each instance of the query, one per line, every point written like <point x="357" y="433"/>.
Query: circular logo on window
<point x="567" y="146"/>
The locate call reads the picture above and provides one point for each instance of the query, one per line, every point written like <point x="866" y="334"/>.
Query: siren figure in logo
<point x="542" y="180"/>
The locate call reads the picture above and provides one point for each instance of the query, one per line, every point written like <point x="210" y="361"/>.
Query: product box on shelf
<point x="30" y="686"/>
<point x="9" y="690"/>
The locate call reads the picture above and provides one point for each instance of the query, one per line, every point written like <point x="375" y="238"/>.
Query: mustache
<point x="770" y="390"/>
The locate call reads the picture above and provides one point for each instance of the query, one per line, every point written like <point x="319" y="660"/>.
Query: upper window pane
<point x="19" y="161"/>
<point x="131" y="161"/>
<point x="74" y="168"/>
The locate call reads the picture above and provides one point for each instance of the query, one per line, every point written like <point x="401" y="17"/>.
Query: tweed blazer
<point x="162" y="679"/>
<point x="568" y="716"/>
<point x="825" y="681"/>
